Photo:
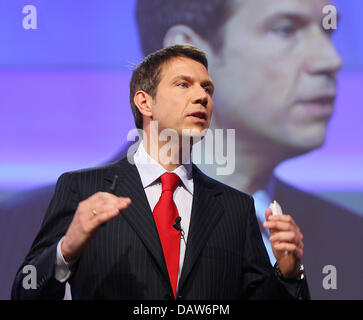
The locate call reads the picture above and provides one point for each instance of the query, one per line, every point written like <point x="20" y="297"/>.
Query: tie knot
<point x="169" y="181"/>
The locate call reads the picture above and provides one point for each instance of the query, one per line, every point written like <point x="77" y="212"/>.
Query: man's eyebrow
<point x="299" y="17"/>
<point x="295" y="16"/>
<point x="182" y="77"/>
<point x="190" y="79"/>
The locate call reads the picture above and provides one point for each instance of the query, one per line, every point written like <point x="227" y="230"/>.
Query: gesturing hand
<point x="286" y="241"/>
<point x="90" y="215"/>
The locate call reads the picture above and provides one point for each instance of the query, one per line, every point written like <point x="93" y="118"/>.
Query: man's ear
<point x="143" y="102"/>
<point x="182" y="34"/>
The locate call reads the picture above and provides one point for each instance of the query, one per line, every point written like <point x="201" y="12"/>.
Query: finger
<point x="288" y="219"/>
<point x="103" y="197"/>
<point x="125" y="200"/>
<point x="289" y="247"/>
<point x="106" y="202"/>
<point x="103" y="217"/>
<point x="111" y="206"/>
<point x="100" y="210"/>
<point x="284" y="236"/>
<point x="110" y="196"/>
<point x="277" y="226"/>
<point x="99" y="199"/>
<point x="268" y="214"/>
<point x="287" y="236"/>
<point x="283" y="218"/>
<point x="124" y="204"/>
<point x="119" y="202"/>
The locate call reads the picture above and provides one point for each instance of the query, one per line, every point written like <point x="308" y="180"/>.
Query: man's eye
<point x="183" y="85"/>
<point x="208" y="90"/>
<point x="287" y="30"/>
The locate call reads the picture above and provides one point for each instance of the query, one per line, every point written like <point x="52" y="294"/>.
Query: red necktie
<point x="165" y="213"/>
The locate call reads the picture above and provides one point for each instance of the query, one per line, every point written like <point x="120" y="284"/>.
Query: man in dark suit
<point x="128" y="243"/>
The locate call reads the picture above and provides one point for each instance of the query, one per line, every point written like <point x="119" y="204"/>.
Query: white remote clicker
<point x="275" y="208"/>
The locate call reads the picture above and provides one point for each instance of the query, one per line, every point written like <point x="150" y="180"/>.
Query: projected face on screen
<point x="276" y="72"/>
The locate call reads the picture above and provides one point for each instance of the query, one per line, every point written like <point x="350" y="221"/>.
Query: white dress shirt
<point x="262" y="202"/>
<point x="150" y="172"/>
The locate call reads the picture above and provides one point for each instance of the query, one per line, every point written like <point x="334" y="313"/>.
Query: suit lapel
<point x="206" y="212"/>
<point x="139" y="214"/>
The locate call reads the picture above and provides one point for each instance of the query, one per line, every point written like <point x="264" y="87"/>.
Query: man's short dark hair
<point x="146" y="76"/>
<point x="205" y="17"/>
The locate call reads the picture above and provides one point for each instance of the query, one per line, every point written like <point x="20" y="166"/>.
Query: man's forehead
<point x="177" y="66"/>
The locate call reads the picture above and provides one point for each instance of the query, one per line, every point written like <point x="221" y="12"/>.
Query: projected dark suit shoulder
<point x="332" y="236"/>
<point x="21" y="215"/>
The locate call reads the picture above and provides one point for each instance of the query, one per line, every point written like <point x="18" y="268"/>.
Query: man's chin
<point x="302" y="146"/>
<point x="194" y="132"/>
<point x="307" y="138"/>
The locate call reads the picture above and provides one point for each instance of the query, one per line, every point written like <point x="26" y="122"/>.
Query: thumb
<point x="268" y="213"/>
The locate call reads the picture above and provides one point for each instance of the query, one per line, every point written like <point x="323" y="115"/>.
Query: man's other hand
<point x="90" y="215"/>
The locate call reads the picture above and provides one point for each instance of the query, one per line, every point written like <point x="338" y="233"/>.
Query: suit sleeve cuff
<point x="297" y="288"/>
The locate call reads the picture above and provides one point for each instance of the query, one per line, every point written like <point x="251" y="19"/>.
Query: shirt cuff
<point x="62" y="270"/>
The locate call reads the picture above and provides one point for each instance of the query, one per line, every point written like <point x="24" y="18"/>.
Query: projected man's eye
<point x="285" y="30"/>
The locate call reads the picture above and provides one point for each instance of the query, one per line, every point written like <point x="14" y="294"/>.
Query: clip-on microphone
<point x="178" y="227"/>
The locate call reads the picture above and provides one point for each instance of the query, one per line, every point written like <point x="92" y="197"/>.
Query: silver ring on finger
<point x="94" y="212"/>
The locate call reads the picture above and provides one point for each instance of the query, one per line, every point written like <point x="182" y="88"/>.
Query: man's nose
<point x="201" y="97"/>
<point x="323" y="57"/>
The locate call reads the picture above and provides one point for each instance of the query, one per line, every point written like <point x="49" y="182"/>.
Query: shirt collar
<point x="150" y="170"/>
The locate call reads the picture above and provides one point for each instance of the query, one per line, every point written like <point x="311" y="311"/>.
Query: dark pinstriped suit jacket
<point x="225" y="256"/>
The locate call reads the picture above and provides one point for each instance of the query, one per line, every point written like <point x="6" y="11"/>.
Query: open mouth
<point x="199" y="115"/>
<point x="319" y="107"/>
<point x="322" y="100"/>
